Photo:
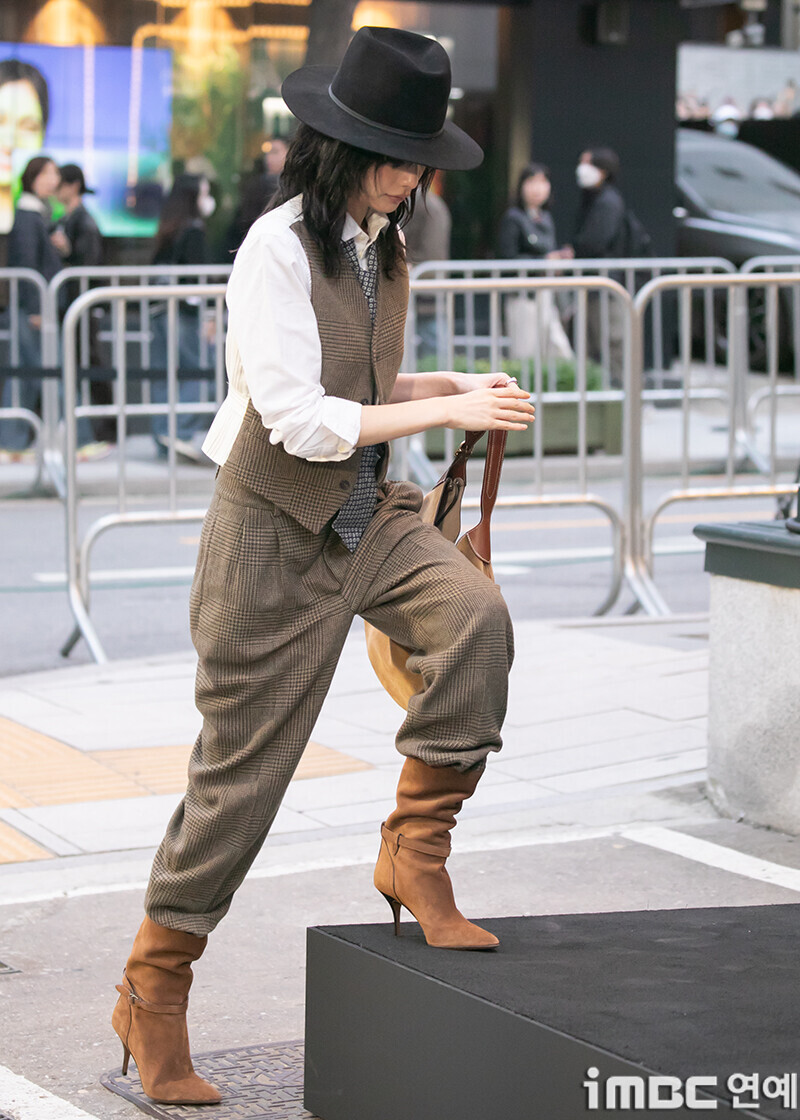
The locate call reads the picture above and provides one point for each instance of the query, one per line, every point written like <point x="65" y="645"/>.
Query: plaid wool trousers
<point x="271" y="607"/>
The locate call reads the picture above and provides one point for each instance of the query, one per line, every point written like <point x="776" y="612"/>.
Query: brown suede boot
<point x="415" y="842"/>
<point x="150" y="1015"/>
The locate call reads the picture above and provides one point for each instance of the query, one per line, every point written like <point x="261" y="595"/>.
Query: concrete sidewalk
<point x="606" y="725"/>
<point x="595" y="804"/>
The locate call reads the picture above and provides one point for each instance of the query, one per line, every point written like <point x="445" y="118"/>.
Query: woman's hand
<point x="490" y="407"/>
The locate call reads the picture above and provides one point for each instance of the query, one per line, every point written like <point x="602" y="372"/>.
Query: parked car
<point x="737" y="202"/>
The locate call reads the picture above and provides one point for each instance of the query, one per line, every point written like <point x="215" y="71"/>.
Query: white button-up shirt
<point x="273" y="354"/>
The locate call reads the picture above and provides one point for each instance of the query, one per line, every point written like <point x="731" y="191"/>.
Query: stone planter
<point x="754" y="702"/>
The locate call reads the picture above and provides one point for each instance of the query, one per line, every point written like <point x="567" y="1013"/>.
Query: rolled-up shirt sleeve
<point x="273" y="327"/>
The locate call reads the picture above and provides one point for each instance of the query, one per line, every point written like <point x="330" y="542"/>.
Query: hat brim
<point x="306" y="94"/>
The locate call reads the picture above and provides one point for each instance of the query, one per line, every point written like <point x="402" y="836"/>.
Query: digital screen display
<point x="107" y="109"/>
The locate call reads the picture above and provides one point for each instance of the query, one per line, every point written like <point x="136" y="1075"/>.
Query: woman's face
<point x="388" y="185"/>
<point x="21" y="123"/>
<point x="535" y="191"/>
<point x="46" y="182"/>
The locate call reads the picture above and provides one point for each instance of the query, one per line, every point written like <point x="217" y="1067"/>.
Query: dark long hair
<point x="528" y="172"/>
<point x="179" y="211"/>
<point x="328" y="173"/>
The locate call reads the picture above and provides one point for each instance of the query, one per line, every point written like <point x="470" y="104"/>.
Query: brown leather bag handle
<point x="458" y="467"/>
<point x="480" y="537"/>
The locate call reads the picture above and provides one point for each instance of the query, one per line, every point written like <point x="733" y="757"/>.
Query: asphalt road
<point x="550" y="562"/>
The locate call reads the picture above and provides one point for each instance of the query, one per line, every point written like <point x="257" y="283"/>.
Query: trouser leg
<point x="425" y="595"/>
<point x="268" y="625"/>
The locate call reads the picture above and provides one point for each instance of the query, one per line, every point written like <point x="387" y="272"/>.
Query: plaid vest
<point x="359" y="362"/>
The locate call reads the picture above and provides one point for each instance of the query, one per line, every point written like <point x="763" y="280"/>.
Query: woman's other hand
<point x="508" y="408"/>
<point x="468" y="382"/>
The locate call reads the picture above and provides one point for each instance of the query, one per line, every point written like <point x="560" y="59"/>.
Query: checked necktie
<point x="356" y="513"/>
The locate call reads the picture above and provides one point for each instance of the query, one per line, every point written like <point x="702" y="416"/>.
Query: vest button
<point x="344" y="484"/>
<point x="365" y="400"/>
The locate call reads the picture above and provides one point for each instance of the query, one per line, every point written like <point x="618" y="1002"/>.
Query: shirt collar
<point x="376" y="224"/>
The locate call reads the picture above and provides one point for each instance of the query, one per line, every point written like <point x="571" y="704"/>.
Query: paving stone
<point x="256" y="1083"/>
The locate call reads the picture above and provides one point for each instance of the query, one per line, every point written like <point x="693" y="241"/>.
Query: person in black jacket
<point x="181" y="239"/>
<point x="527" y="231"/>
<point x="601" y="232"/>
<point x="84" y="249"/>
<point x="30" y="246"/>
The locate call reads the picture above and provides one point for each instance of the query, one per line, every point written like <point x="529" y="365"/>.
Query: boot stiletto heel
<point x="126" y="1055"/>
<point x="396" y="908"/>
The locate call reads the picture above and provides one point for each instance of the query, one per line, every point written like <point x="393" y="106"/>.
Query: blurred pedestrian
<point x="255" y="190"/>
<point x="30" y="246"/>
<point x="427" y="235"/>
<point x="84" y="249"/>
<point x="527" y="231"/>
<point x="275" y="150"/>
<point x="85" y="242"/>
<point x="181" y="239"/>
<point x="603" y="232"/>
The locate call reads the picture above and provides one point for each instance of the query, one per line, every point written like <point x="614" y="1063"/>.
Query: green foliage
<point x="564" y="370"/>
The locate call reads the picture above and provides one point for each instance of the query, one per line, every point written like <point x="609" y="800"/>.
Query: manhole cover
<point x="256" y="1082"/>
<point x="4" y="970"/>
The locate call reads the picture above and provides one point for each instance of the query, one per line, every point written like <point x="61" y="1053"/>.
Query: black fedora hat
<point x="389" y="95"/>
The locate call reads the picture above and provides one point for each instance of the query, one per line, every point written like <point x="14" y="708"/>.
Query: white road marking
<point x="340" y="851"/>
<point x="118" y="575"/>
<point x="26" y="1101"/>
<point x="715" y="855"/>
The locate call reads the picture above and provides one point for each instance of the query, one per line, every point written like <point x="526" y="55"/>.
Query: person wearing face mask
<point x="181" y="239"/>
<point x="527" y="231"/>
<point x="602" y="232"/>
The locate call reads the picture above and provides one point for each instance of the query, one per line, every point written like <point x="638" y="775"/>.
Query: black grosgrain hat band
<point x="389" y="95"/>
<point x="383" y="127"/>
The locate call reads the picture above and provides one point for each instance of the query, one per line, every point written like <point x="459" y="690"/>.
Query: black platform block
<point x="398" y="1031"/>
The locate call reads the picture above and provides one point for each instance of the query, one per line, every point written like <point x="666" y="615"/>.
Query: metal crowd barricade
<point x="631" y="272"/>
<point x="23" y="352"/>
<point x="79" y="548"/>
<point x="640" y="529"/>
<point x="71" y="282"/>
<point x="413" y="457"/>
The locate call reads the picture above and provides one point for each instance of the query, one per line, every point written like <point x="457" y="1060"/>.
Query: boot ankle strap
<point x="397" y="840"/>
<point x="155" y="1008"/>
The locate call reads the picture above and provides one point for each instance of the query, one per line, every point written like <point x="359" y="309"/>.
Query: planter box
<point x="559" y="425"/>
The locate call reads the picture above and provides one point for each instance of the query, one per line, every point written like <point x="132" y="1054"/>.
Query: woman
<point x="527" y="231"/>
<point x="601" y="233"/>
<point x="181" y="239"/>
<point x="304" y="531"/>
<point x="30" y="245"/>
<point x="527" y="228"/>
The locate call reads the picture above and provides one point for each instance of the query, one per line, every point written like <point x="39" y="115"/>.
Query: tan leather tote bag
<point x="442" y="508"/>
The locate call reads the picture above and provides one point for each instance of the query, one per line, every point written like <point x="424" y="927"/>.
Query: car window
<point x="729" y="175"/>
